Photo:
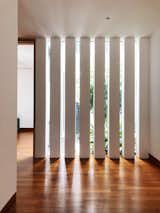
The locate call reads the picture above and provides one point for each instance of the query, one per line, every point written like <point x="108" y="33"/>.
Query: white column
<point x="55" y="106"/>
<point x="99" y="96"/>
<point x="84" y="97"/>
<point x="70" y="98"/>
<point x="114" y="100"/>
<point x="40" y="99"/>
<point x="128" y="99"/>
<point x="144" y="127"/>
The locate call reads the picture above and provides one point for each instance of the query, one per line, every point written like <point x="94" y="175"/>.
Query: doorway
<point x="25" y="97"/>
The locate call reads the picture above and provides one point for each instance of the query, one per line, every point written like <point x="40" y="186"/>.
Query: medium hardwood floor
<point x="92" y="186"/>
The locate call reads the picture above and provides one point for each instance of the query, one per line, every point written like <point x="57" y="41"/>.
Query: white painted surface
<point x="99" y="97"/>
<point x="84" y="97"/>
<point x="155" y="96"/>
<point x="55" y="105"/>
<point x="86" y="17"/>
<point x="25" y="85"/>
<point x="70" y="98"/>
<point x="8" y="97"/>
<point x="114" y="87"/>
<point x="142" y="143"/>
<point x="40" y="112"/>
<point x="128" y="99"/>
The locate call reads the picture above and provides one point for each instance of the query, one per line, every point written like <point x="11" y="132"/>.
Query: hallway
<point x="84" y="186"/>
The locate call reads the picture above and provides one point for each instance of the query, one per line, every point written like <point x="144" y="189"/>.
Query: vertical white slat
<point x="128" y="99"/>
<point x="40" y="98"/>
<point x="70" y="98"/>
<point x="144" y="127"/>
<point x="99" y="97"/>
<point x="114" y="100"/>
<point x="55" y="94"/>
<point x="84" y="97"/>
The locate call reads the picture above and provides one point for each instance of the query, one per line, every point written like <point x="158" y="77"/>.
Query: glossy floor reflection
<point x="84" y="185"/>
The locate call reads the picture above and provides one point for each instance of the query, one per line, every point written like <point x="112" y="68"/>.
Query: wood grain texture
<point x="84" y="185"/>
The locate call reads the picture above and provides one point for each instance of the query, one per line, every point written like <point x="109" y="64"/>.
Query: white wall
<point x="8" y="103"/>
<point x="155" y="96"/>
<point x="25" y="85"/>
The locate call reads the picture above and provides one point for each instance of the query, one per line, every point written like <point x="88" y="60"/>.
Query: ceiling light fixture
<point x="108" y="18"/>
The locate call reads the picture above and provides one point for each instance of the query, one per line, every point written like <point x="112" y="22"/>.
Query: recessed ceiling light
<point x="108" y="18"/>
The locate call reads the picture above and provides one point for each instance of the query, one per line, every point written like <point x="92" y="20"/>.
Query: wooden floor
<point x="84" y="186"/>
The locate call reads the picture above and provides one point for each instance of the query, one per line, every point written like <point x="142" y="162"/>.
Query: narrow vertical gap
<point x="62" y="114"/>
<point x="47" y="130"/>
<point x="26" y="87"/>
<point x="137" y="88"/>
<point x="106" y="92"/>
<point x="77" y="96"/>
<point x="108" y="88"/>
<point x="92" y="78"/>
<point x="122" y="53"/>
<point x="122" y="67"/>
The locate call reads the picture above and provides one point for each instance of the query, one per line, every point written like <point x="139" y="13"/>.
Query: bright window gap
<point x="137" y="87"/>
<point x="122" y="67"/>
<point x="62" y="115"/>
<point x="92" y="77"/>
<point x="106" y="93"/>
<point x="77" y="95"/>
<point x="47" y="131"/>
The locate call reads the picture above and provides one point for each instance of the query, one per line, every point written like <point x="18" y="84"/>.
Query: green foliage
<point x="105" y="98"/>
<point x="91" y="96"/>
<point x="106" y="117"/>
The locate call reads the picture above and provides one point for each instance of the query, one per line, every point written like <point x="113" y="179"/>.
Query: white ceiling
<point x="87" y="17"/>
